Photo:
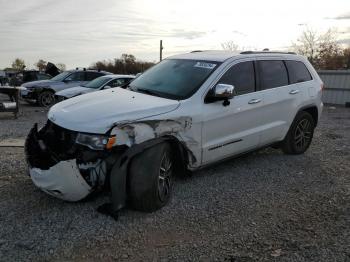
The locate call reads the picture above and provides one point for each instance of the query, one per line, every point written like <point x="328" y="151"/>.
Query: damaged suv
<point x="184" y="113"/>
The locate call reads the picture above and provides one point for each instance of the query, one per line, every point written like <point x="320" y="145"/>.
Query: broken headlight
<point x="95" y="142"/>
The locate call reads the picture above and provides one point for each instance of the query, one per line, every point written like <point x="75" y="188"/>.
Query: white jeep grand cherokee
<point x="184" y="113"/>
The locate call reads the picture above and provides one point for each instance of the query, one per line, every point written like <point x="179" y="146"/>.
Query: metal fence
<point x="337" y="86"/>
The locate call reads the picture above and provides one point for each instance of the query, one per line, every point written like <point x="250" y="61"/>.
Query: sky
<point x="80" y="32"/>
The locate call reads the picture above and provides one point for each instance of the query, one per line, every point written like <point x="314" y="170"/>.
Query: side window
<point x="273" y="73"/>
<point x="43" y="77"/>
<point x="241" y="76"/>
<point x="76" y="76"/>
<point x="116" y="82"/>
<point x="92" y="75"/>
<point x="297" y="72"/>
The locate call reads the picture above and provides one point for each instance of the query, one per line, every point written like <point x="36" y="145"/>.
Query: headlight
<point x="95" y="142"/>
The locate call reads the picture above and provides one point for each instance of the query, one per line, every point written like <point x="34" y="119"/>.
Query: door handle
<point x="293" y="92"/>
<point x="254" y="101"/>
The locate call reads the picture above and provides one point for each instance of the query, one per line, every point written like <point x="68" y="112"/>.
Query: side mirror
<point x="221" y="92"/>
<point x="107" y="87"/>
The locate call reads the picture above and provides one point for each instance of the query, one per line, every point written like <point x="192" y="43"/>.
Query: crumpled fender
<point x="118" y="175"/>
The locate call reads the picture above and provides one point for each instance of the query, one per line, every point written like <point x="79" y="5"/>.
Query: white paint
<point x="62" y="180"/>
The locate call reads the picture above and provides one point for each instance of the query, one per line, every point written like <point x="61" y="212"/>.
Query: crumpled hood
<point x="96" y="112"/>
<point x="41" y="83"/>
<point x="74" y="91"/>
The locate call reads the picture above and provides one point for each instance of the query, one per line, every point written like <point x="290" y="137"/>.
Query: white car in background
<point x="184" y="113"/>
<point x="100" y="83"/>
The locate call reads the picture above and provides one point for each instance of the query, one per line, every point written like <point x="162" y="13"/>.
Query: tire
<point x="151" y="178"/>
<point x="46" y="98"/>
<point x="300" y="133"/>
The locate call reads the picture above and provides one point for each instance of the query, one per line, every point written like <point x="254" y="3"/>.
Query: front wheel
<point x="151" y="178"/>
<point x="299" y="136"/>
<point x="46" y="98"/>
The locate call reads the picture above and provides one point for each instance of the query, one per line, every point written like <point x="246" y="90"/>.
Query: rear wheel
<point x="151" y="178"/>
<point x="299" y="136"/>
<point x="46" y="98"/>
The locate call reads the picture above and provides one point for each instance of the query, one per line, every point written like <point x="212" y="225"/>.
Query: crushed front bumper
<point x="63" y="181"/>
<point x="62" y="178"/>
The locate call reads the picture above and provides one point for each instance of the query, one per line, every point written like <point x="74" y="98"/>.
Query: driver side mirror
<point x="107" y="87"/>
<point x="221" y="92"/>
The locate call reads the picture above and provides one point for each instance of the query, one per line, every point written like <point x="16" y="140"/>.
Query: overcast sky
<point x="80" y="32"/>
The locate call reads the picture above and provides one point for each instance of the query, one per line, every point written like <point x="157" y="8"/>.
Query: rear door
<point x="280" y="99"/>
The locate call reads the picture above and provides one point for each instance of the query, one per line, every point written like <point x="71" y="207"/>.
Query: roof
<point x="118" y="76"/>
<point x="211" y="55"/>
<point x="89" y="70"/>
<point x="222" y="55"/>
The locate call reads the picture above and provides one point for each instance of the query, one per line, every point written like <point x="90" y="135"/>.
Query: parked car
<point x="28" y="76"/>
<point x="42" y="92"/>
<point x="185" y="113"/>
<point x="100" y="83"/>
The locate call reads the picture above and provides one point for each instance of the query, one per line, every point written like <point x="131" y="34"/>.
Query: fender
<point x="118" y="177"/>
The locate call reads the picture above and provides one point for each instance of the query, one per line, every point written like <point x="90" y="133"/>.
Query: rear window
<point x="297" y="72"/>
<point x="273" y="74"/>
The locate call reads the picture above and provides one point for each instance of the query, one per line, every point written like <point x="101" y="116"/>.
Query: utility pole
<point x="161" y="50"/>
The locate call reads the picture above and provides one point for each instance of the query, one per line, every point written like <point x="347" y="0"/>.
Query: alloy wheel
<point x="164" y="178"/>
<point x="302" y="134"/>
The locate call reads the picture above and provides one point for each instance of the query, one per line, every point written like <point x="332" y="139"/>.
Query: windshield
<point x="174" y="78"/>
<point x="61" y="76"/>
<point x="98" y="82"/>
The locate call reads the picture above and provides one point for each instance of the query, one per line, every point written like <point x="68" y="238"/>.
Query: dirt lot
<point x="263" y="206"/>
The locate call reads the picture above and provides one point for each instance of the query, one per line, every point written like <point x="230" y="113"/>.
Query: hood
<point x="41" y="83"/>
<point x="74" y="91"/>
<point x="97" y="112"/>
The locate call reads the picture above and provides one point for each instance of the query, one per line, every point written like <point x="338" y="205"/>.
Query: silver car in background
<point x="42" y="92"/>
<point x="100" y="83"/>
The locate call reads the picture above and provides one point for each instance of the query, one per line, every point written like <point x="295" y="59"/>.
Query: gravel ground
<point x="264" y="206"/>
<point x="28" y="115"/>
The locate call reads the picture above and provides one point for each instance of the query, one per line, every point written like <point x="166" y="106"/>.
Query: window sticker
<point x="205" y="65"/>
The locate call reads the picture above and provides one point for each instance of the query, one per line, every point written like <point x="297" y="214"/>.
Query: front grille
<point x="59" y="140"/>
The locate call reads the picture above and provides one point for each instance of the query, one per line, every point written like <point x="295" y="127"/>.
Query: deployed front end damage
<point x="61" y="168"/>
<point x="69" y="170"/>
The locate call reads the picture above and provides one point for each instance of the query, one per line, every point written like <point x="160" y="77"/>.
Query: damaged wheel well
<point x="180" y="156"/>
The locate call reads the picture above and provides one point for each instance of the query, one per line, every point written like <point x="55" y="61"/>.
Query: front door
<point x="233" y="129"/>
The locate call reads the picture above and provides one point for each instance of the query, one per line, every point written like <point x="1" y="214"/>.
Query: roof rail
<point x="266" y="52"/>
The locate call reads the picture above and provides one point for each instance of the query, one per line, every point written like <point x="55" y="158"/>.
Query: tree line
<point x="322" y="49"/>
<point x="126" y="64"/>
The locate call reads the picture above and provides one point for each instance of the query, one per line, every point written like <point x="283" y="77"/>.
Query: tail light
<point x="322" y="86"/>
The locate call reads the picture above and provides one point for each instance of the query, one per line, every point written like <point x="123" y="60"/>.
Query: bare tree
<point x="61" y="66"/>
<point x="229" y="46"/>
<point x="322" y="50"/>
<point x="41" y="65"/>
<point x="307" y="44"/>
<point x="18" y="64"/>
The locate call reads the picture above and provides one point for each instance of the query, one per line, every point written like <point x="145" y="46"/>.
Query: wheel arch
<point x="312" y="110"/>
